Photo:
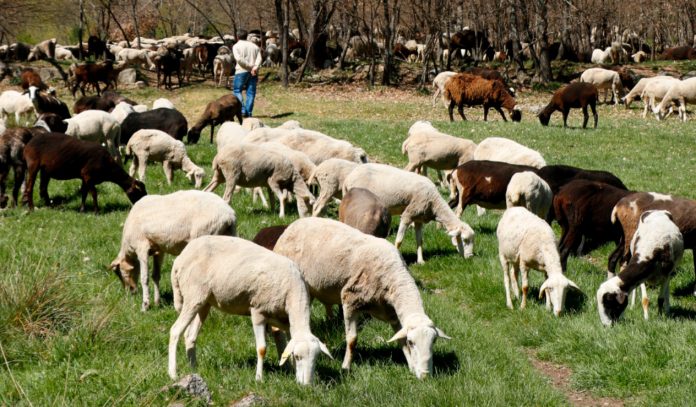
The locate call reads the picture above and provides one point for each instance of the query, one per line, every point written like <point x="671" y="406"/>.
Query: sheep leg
<point x="585" y="117"/>
<point x="514" y="272"/>
<point x="19" y="171"/>
<point x="594" y="113"/>
<point x="28" y="197"/>
<point x="485" y="113"/>
<point x="350" y="320"/>
<point x="259" y="191"/>
<point x="43" y="187"/>
<point x="524" y="271"/>
<point x="84" y="189"/>
<point x="435" y="95"/>
<point x="403" y="225"/>
<point x="188" y="312"/>
<point x="3" y="185"/>
<point x="502" y="114"/>
<point x="506" y="281"/>
<point x="324" y="197"/>
<point x="275" y="187"/>
<point x="212" y="130"/>
<point x="229" y="189"/>
<point x="168" y="171"/>
<point x="142" y="253"/>
<point x="645" y="302"/>
<point x="663" y="298"/>
<point x="419" y="242"/>
<point x="460" y="109"/>
<point x="450" y="109"/>
<point x="271" y="201"/>
<point x="156" y="272"/>
<point x="191" y="333"/>
<point x="258" y="322"/>
<point x="565" y="117"/>
<point x="134" y="166"/>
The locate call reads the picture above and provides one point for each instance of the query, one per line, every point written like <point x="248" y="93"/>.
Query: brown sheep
<point x="678" y="53"/>
<point x="576" y="95"/>
<point x="218" y="111"/>
<point x="466" y="89"/>
<point x="362" y="210"/>
<point x="12" y="144"/>
<point x="268" y="236"/>
<point x="30" y="77"/>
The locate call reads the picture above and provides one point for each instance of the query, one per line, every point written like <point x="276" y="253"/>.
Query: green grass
<point x="70" y="335"/>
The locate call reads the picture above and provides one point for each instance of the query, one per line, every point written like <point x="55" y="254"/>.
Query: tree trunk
<point x="282" y="15"/>
<point x="542" y="40"/>
<point x="134" y="4"/>
<point x="390" y="19"/>
<point x="513" y="9"/>
<point x="80" y="31"/>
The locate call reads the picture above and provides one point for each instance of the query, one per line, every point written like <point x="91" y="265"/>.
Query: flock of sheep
<point x="347" y="262"/>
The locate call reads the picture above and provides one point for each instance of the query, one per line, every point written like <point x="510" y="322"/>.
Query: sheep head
<point x="463" y="237"/>
<point x="136" y="191"/>
<point x="127" y="272"/>
<point x="418" y="340"/>
<point x="196" y="176"/>
<point x="544" y="117"/>
<point x="611" y="300"/>
<point x="193" y="135"/>
<point x="516" y="114"/>
<point x="303" y="351"/>
<point x="556" y="288"/>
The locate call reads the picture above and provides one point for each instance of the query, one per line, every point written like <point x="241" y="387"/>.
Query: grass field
<point x="70" y="335"/>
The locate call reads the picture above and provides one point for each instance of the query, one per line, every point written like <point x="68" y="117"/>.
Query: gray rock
<point x="140" y="84"/>
<point x="194" y="385"/>
<point x="249" y="400"/>
<point x="127" y="77"/>
<point x="47" y="74"/>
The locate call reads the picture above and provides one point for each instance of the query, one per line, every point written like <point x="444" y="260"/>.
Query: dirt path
<point x="559" y="376"/>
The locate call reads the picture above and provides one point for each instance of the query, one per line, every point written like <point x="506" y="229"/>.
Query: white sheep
<point x="150" y="145"/>
<point x="508" y="151"/>
<point x="416" y="199"/>
<point x="656" y="249"/>
<point x="223" y="66"/>
<point x="528" y="190"/>
<point x="250" y="165"/>
<point x="439" y="85"/>
<point x="639" y="57"/>
<point x="140" y="108"/>
<point x="252" y="123"/>
<point x="96" y="125"/>
<point x="64" y="54"/>
<point x="681" y="92"/>
<point x="654" y="92"/>
<point x="637" y="90"/>
<point x="230" y="132"/>
<point x="601" y="57"/>
<point x="527" y="241"/>
<point x="363" y="273"/>
<point x="241" y="277"/>
<point x="162" y="103"/>
<point x="136" y="57"/>
<point x="160" y="224"/>
<point x="320" y="147"/>
<point x="290" y="125"/>
<point x="604" y="79"/>
<point x="121" y="111"/>
<point x="330" y="176"/>
<point x="428" y="147"/>
<point x="265" y="134"/>
<point x="300" y="160"/>
<point x="20" y="104"/>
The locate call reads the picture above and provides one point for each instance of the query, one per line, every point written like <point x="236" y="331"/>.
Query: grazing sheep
<point x="639" y="57"/>
<point x="637" y="90"/>
<point x="528" y="190"/>
<point x="225" y="108"/>
<point x="466" y="89"/>
<point x="526" y="241"/>
<point x="99" y="126"/>
<point x="320" y="147"/>
<point x="427" y="147"/>
<point x="506" y="150"/>
<point x="364" y="274"/>
<point x="12" y="142"/>
<point x="253" y="123"/>
<point x="92" y="74"/>
<point x="656" y="249"/>
<point x="223" y="67"/>
<point x="61" y="157"/>
<point x="46" y="103"/>
<point x="601" y="56"/>
<point x="151" y="145"/>
<point x="654" y="92"/>
<point x="439" y="85"/>
<point x="43" y="50"/>
<point x="604" y="79"/>
<point x="362" y="210"/>
<point x="416" y="199"/>
<point x="135" y="57"/>
<point x="681" y="93"/>
<point x="300" y="160"/>
<point x="18" y="103"/>
<point x="121" y="111"/>
<point x="64" y="54"/>
<point x="250" y="165"/>
<point x="161" y="224"/>
<point x="573" y="96"/>
<point x="678" y="53"/>
<point x="162" y="103"/>
<point x="330" y="176"/>
<point x="240" y="277"/>
<point x="230" y="132"/>
<point x="268" y="237"/>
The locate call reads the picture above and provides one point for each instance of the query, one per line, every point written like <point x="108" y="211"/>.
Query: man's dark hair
<point x="242" y="35"/>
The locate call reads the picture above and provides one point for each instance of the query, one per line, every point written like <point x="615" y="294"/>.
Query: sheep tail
<point x="614" y="215"/>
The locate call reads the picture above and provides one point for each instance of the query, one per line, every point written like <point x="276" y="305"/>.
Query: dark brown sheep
<point x="30" y="77"/>
<point x="92" y="74"/>
<point x="362" y="210"/>
<point x="472" y="90"/>
<point x="491" y="74"/>
<point x="223" y="109"/>
<point x="106" y="102"/>
<point x="267" y="237"/>
<point x="12" y="143"/>
<point x="63" y="157"/>
<point x="678" y="53"/>
<point x="573" y="96"/>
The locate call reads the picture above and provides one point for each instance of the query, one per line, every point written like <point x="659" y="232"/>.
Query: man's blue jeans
<point x="240" y="80"/>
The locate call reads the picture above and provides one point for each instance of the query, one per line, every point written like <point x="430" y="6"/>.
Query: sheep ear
<point x="441" y="334"/>
<point x="572" y="284"/>
<point x="325" y="350"/>
<point x="287" y="352"/>
<point x="399" y="335"/>
<point x="542" y="290"/>
<point x="645" y="215"/>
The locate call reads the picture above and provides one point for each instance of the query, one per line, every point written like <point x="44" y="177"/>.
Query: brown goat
<point x="362" y="210"/>
<point x="573" y="96"/>
<point x="268" y="236"/>
<point x="223" y="109"/>
<point x="63" y="157"/>
<point x="472" y="90"/>
<point x="678" y="53"/>
<point x="92" y="74"/>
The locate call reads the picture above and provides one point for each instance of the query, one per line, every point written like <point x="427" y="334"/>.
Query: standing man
<point x="248" y="57"/>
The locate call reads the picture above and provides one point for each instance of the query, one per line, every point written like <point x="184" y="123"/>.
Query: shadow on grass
<point x="685" y="291"/>
<point x="677" y="312"/>
<point x="276" y="116"/>
<point x="574" y="303"/>
<point x="410" y="258"/>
